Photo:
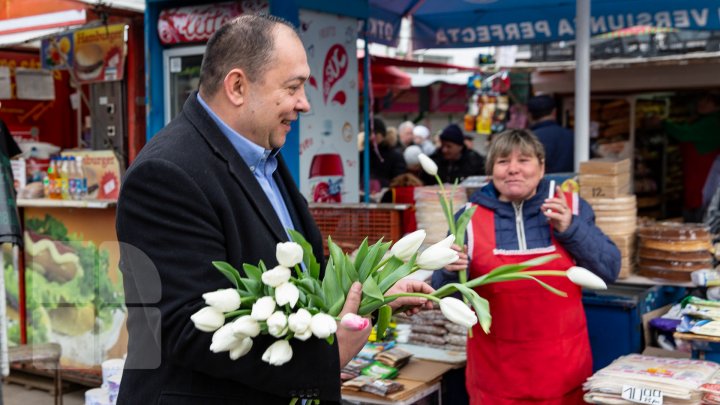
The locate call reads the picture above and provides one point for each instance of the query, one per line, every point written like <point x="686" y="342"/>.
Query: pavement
<point x="14" y="394"/>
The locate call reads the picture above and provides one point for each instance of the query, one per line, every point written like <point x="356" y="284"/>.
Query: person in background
<point x="538" y="351"/>
<point x="385" y="161"/>
<point x="700" y="145"/>
<point x="212" y="186"/>
<point x="454" y="160"/>
<point x="8" y="146"/>
<point x="405" y="134"/>
<point x="421" y="135"/>
<point x="559" y="142"/>
<point x="412" y="161"/>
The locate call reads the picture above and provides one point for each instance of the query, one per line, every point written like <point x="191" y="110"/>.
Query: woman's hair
<point x="504" y="143"/>
<point x="391" y="137"/>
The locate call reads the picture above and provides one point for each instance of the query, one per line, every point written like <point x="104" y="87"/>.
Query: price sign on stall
<point x="642" y="395"/>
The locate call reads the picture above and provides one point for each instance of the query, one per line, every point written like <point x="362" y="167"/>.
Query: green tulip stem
<point x="238" y="312"/>
<point x="393" y="297"/>
<point x="298" y="270"/>
<point x="447" y="206"/>
<point x="382" y="263"/>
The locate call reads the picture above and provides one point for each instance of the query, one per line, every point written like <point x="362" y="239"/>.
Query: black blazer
<point x="189" y="199"/>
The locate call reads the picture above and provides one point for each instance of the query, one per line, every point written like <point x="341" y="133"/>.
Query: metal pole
<point x="366" y="119"/>
<point x="582" y="82"/>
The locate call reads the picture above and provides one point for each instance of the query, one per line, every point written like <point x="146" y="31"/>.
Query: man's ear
<point x="235" y="87"/>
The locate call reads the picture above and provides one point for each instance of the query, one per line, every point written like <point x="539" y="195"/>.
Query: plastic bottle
<point x="73" y="178"/>
<point x="81" y="179"/>
<point x="64" y="176"/>
<point x="52" y="179"/>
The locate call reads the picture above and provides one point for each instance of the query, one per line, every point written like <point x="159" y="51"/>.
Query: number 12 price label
<point x="642" y="395"/>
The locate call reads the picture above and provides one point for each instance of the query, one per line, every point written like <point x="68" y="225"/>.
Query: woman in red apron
<point x="537" y="351"/>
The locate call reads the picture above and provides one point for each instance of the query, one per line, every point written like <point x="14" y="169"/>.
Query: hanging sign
<point x="198" y="23"/>
<point x="99" y="54"/>
<point x="56" y="53"/>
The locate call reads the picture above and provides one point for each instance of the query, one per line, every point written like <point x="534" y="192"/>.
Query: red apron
<point x="538" y="349"/>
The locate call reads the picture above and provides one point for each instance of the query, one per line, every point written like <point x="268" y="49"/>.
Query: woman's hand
<point x="557" y="211"/>
<point x="462" y="263"/>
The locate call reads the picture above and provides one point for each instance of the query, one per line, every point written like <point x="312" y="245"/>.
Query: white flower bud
<point x="457" y="312"/>
<point x="278" y="353"/>
<point x="226" y="300"/>
<point x="585" y="278"/>
<point x="245" y="326"/>
<point x="447" y="242"/>
<point x="208" y="319"/>
<point x="278" y="275"/>
<point x="277" y="324"/>
<point x="428" y="165"/>
<point x="323" y="325"/>
<point x="223" y="339"/>
<point x="241" y="349"/>
<point x="303" y="335"/>
<point x="263" y="308"/>
<point x="288" y="254"/>
<point x="436" y="257"/>
<point x="287" y="293"/>
<point x="299" y="322"/>
<point x="408" y="245"/>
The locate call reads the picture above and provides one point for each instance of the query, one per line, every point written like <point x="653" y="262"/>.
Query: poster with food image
<point x="99" y="53"/>
<point x="73" y="286"/>
<point x="56" y="53"/>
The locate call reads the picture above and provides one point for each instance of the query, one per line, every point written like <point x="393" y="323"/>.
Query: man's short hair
<point x="379" y="126"/>
<point x="246" y="42"/>
<point x="540" y="106"/>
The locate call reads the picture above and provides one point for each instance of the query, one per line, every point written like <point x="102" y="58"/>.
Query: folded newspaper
<point x="676" y="381"/>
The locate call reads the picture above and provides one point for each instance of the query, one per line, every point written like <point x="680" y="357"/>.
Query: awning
<point x="16" y="31"/>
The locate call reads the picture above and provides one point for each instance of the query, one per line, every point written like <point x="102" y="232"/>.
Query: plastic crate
<point x="614" y="318"/>
<point x="349" y="224"/>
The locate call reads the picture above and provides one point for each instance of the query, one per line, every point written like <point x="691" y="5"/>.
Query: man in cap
<point x="559" y="142"/>
<point x="454" y="160"/>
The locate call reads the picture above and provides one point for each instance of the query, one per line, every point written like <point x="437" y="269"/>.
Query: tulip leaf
<point x="521" y="276"/>
<point x="311" y="263"/>
<point x="479" y="304"/>
<point x="336" y="253"/>
<point x="383" y="321"/>
<point x="390" y="267"/>
<point x="368" y="305"/>
<point x="228" y="271"/>
<point x="518" y="267"/>
<point x="336" y="306"/>
<point x="388" y="281"/>
<point x="252" y="286"/>
<point x="331" y="285"/>
<point x="307" y="284"/>
<point x="330" y="339"/>
<point x="448" y="214"/>
<point x="373" y="258"/>
<point x="350" y="269"/>
<point x="462" y="223"/>
<point x="361" y="253"/>
<point x="370" y="288"/>
<point x="253" y="272"/>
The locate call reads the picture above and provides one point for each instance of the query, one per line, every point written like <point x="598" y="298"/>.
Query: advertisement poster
<point x="99" y="54"/>
<point x="74" y="293"/>
<point x="328" y="146"/>
<point x="56" y="53"/>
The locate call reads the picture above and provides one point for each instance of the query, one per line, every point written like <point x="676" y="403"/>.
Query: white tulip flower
<point x="278" y="275"/>
<point x="323" y="325"/>
<point x="287" y="293"/>
<point x="263" y="308"/>
<point x="226" y="300"/>
<point x="447" y="242"/>
<point x="208" y="319"/>
<point x="458" y="312"/>
<point x="241" y="349"/>
<point x="585" y="278"/>
<point x="406" y="247"/>
<point x="299" y="322"/>
<point x="278" y="353"/>
<point x="305" y="335"/>
<point x="288" y="254"/>
<point x="436" y="257"/>
<point x="428" y="165"/>
<point x="224" y="339"/>
<point x="277" y="324"/>
<point x="246" y="326"/>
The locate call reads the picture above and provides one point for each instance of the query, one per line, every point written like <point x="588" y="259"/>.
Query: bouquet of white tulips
<point x="291" y="301"/>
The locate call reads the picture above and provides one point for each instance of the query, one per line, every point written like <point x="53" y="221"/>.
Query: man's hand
<point x="414" y="303"/>
<point x="351" y="342"/>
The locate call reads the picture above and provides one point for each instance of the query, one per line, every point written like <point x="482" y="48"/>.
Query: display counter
<point x="72" y="286"/>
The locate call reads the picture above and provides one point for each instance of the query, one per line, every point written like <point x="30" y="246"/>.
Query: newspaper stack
<point x="679" y="380"/>
<point x="430" y="328"/>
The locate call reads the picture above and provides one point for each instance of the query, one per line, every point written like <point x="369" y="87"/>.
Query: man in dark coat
<point x="559" y="142"/>
<point x="454" y="160"/>
<point x="212" y="186"/>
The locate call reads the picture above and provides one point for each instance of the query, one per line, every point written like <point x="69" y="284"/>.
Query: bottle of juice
<point x="52" y="179"/>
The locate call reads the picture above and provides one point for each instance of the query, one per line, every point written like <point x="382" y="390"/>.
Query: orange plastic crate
<point x="349" y="224"/>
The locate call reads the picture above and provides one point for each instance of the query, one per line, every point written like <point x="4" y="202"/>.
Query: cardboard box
<point x="103" y="172"/>
<point x="605" y="166"/>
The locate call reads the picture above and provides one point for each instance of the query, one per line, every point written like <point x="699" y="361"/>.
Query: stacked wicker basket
<point x="605" y="183"/>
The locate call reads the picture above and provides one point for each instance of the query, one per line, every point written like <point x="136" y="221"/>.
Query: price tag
<point x="175" y="65"/>
<point x="642" y="395"/>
